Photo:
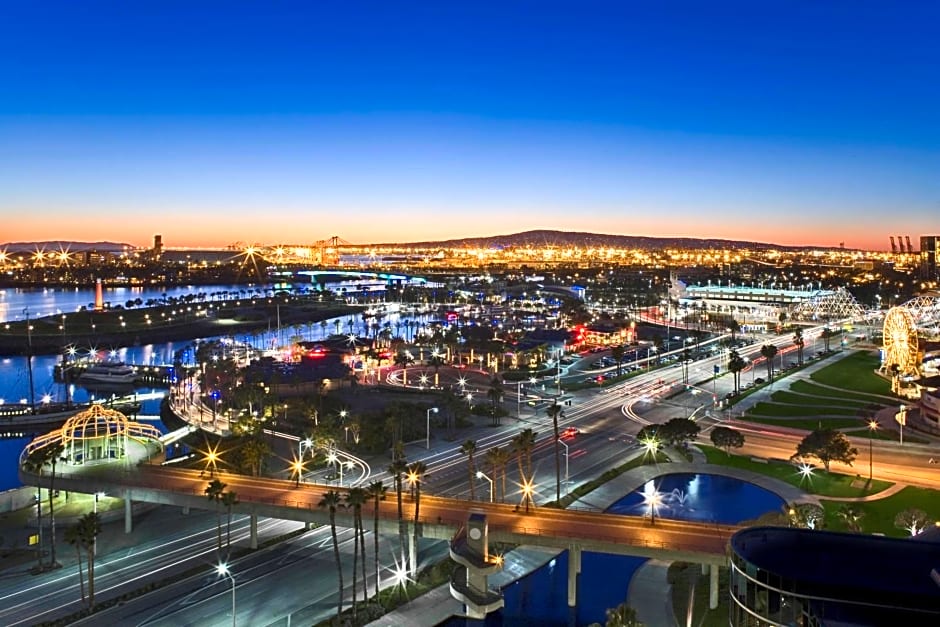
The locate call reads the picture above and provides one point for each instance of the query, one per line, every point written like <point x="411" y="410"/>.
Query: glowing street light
<point x="652" y="499"/>
<point x="482" y="475"/>
<point x="222" y="569"/>
<point x="872" y="427"/>
<point x="528" y="488"/>
<point x="297" y="468"/>
<point x="428" y="436"/>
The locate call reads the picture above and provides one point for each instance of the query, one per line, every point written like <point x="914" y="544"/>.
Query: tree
<point x="679" y="431"/>
<point x="734" y="328"/>
<point x="82" y="536"/>
<point x="214" y="492"/>
<point x="398" y="467"/>
<point x="723" y="437"/>
<point x="616" y="353"/>
<point x="852" y="517"/>
<point x="799" y="342"/>
<point x="468" y="448"/>
<point x="416" y="473"/>
<point x="355" y="498"/>
<point x="497" y="458"/>
<point x="649" y="434"/>
<point x="73" y="537"/>
<point x="622" y="616"/>
<point x="686" y="358"/>
<point x="827" y="334"/>
<point x="495" y="393"/>
<point x="33" y="464"/>
<point x="827" y="445"/>
<point x="806" y="515"/>
<point x="769" y="351"/>
<point x="522" y="446"/>
<point x="736" y="364"/>
<point x="333" y="500"/>
<point x="553" y="412"/>
<point x="376" y="491"/>
<point x="912" y="520"/>
<point x="229" y="500"/>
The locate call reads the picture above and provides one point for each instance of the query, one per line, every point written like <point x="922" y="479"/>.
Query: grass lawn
<point x="774" y="409"/>
<point x="879" y="515"/>
<point x="855" y="372"/>
<point x="821" y="482"/>
<point x="810" y="424"/>
<point x="785" y="396"/>
<point x="807" y="387"/>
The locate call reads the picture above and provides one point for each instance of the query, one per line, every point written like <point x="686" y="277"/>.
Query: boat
<point x="113" y="372"/>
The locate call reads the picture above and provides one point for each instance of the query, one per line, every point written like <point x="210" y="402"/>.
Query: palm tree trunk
<point x="39" y="520"/>
<point x="362" y="542"/>
<point x="52" y="515"/>
<point x="81" y="575"/>
<point x="401" y="525"/>
<point x="375" y="544"/>
<point x="414" y="567"/>
<point x="355" y="606"/>
<point x="91" y="576"/>
<point x="472" y="474"/>
<point x="339" y="565"/>
<point x="228" y="533"/>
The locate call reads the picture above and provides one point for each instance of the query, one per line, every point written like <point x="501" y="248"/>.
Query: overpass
<point x="440" y="518"/>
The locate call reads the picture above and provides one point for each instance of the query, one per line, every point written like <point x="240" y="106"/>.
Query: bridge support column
<point x="713" y="587"/>
<point x="186" y="510"/>
<point x="412" y="554"/>
<point x="704" y="569"/>
<point x="253" y="532"/>
<point x="574" y="568"/>
<point x="128" y="515"/>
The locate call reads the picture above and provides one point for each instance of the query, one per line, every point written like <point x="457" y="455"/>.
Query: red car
<point x="570" y="432"/>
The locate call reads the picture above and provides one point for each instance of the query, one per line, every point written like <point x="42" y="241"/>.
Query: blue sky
<point x="214" y="122"/>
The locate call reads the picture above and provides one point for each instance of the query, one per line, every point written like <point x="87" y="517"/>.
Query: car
<point x="570" y="432"/>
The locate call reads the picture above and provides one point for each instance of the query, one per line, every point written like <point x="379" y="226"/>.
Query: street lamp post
<point x="223" y="570"/>
<point x="519" y="400"/>
<point x="427" y="441"/>
<point x="872" y="426"/>
<point x="94" y="544"/>
<point x="482" y="475"/>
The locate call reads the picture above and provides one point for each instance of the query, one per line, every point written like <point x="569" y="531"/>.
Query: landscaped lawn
<point x="821" y="482"/>
<point x="879" y="515"/>
<point x="855" y="372"/>
<point x="811" y="423"/>
<point x="807" y="387"/>
<point x="774" y="409"/>
<point x="785" y="396"/>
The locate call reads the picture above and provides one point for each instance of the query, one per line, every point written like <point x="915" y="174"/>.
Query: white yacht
<point x="108" y="372"/>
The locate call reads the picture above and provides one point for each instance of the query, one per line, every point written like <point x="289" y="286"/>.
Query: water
<point x="694" y="497"/>
<point x="541" y="597"/>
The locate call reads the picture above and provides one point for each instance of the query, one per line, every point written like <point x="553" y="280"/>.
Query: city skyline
<point x="791" y="125"/>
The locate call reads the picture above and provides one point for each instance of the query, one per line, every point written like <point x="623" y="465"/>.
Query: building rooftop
<point x="855" y="568"/>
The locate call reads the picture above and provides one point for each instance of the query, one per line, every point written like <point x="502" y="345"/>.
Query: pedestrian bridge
<point x="439" y="517"/>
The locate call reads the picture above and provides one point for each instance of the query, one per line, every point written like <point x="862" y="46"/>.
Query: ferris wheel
<point x="900" y="341"/>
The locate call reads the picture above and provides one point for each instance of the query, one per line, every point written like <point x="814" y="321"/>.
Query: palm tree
<point x="522" y="446"/>
<point x="852" y="517"/>
<point x="376" y="491"/>
<point x="553" y="412"/>
<point x="33" y="464"/>
<point x="769" y="351"/>
<point x="686" y="357"/>
<point x="416" y="473"/>
<point x="229" y="500"/>
<point x="616" y="352"/>
<point x="398" y="467"/>
<point x="469" y="448"/>
<point x="333" y="500"/>
<point x="496" y="394"/>
<point x="73" y="537"/>
<point x="736" y="364"/>
<point x="799" y="342"/>
<point x="734" y="328"/>
<point x="86" y="531"/>
<point x="214" y="492"/>
<point x="355" y="498"/>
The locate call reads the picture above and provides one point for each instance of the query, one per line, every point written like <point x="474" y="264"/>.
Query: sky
<point x="795" y="122"/>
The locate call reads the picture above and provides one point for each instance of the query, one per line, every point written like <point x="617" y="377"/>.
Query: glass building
<point x="784" y="576"/>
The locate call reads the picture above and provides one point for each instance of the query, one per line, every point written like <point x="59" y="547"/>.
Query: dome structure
<point x="96" y="434"/>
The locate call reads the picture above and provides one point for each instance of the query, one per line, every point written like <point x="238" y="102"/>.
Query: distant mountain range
<point x="57" y="245"/>
<point x="535" y="238"/>
<point x="598" y="240"/>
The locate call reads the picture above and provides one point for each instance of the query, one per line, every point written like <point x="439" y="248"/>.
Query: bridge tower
<point x="470" y="549"/>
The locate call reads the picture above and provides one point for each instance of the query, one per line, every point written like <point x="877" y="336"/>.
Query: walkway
<point x="650" y="594"/>
<point x="877" y="496"/>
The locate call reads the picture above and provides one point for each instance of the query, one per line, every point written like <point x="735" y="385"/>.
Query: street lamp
<point x="527" y="489"/>
<point x="481" y="475"/>
<point x="297" y="467"/>
<point x="652" y="498"/>
<point x="428" y="436"/>
<point x="222" y="569"/>
<point x="303" y="444"/>
<point x="872" y="427"/>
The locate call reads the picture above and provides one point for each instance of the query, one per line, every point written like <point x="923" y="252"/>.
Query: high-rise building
<point x="929" y="247"/>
